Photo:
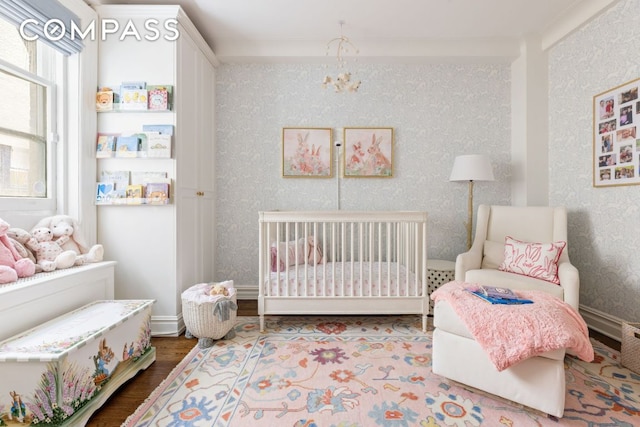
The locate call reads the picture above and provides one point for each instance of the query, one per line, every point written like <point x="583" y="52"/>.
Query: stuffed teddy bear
<point x="218" y="289"/>
<point x="49" y="254"/>
<point x="64" y="225"/>
<point x="12" y="265"/>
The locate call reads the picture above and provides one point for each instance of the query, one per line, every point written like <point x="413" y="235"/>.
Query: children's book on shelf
<point x="160" y="97"/>
<point x="142" y="143"/>
<point x="103" y="192"/>
<point x="134" y="194"/>
<point x="104" y="99"/>
<point x="127" y="146"/>
<point x="145" y="177"/>
<point x="157" y="193"/>
<point x="158" y="145"/>
<point x="504" y="296"/>
<point x="159" y="140"/>
<point x="161" y="129"/>
<point x="133" y="85"/>
<point x="134" y="100"/>
<point x="106" y="145"/>
<point x="133" y="96"/>
<point x="120" y="178"/>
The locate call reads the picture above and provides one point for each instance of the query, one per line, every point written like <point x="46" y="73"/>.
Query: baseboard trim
<point x="167" y="326"/>
<point x="247" y="291"/>
<point x="602" y="322"/>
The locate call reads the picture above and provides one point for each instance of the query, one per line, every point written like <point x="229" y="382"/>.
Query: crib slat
<point x="286" y="239"/>
<point x="333" y="258"/>
<point x="324" y="264"/>
<point x="363" y="288"/>
<point x="343" y="250"/>
<point x="398" y="244"/>
<point x="389" y="256"/>
<point x="305" y="226"/>
<point x="407" y="256"/>
<point x="424" y="262"/>
<point x="264" y="234"/>
<point x="278" y="258"/>
<point x="315" y="263"/>
<point x="379" y="260"/>
<point x="361" y="255"/>
<point x="352" y="257"/>
<point x="416" y="260"/>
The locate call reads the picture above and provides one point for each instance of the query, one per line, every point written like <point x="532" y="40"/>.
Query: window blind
<point x="17" y="11"/>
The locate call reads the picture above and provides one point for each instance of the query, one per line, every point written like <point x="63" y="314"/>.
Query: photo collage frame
<point x="616" y="137"/>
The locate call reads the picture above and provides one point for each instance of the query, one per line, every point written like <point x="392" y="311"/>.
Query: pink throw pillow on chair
<point x="537" y="260"/>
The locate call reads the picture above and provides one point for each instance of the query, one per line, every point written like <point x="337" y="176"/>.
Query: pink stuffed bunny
<point x="20" y="237"/>
<point x="12" y="265"/>
<point x="49" y="254"/>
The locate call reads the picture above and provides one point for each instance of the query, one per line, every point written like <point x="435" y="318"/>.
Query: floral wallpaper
<point x="437" y="111"/>
<point x="604" y="236"/>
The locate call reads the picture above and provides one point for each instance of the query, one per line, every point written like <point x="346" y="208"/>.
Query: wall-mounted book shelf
<point x="153" y="141"/>
<point x="133" y="188"/>
<point x="116" y="111"/>
<point x="134" y="96"/>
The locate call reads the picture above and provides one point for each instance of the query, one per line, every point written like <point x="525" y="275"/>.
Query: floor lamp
<point x="471" y="167"/>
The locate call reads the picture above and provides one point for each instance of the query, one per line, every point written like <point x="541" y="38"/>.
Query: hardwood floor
<point x="169" y="352"/>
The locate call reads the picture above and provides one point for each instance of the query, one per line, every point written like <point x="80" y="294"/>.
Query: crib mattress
<point x="355" y="279"/>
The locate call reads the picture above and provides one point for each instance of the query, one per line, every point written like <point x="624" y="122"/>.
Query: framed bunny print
<point x="307" y="152"/>
<point x="368" y="152"/>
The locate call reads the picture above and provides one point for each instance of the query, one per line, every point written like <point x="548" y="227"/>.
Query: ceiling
<point x="397" y="30"/>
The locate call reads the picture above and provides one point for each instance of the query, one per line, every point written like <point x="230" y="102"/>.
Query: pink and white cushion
<point x="538" y="260"/>
<point x="286" y="254"/>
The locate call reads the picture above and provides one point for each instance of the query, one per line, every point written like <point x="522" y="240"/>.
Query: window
<point x="27" y="119"/>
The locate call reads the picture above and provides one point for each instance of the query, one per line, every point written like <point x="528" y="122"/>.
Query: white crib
<point x="343" y="262"/>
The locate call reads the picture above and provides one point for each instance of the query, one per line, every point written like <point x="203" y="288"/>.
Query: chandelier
<point x="342" y="82"/>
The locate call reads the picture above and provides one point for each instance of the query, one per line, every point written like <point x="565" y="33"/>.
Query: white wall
<point x="437" y="111"/>
<point x="604" y="236"/>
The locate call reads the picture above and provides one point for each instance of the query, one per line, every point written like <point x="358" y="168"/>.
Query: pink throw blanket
<point x="512" y="333"/>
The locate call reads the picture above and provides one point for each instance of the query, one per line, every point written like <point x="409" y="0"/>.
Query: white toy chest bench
<point x="60" y="372"/>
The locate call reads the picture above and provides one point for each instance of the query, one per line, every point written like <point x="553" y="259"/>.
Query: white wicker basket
<point x="631" y="346"/>
<point x="197" y="311"/>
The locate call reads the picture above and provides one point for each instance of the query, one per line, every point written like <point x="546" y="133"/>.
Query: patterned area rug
<point x="361" y="372"/>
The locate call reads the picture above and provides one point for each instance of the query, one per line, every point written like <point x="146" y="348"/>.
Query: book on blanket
<point x="497" y="295"/>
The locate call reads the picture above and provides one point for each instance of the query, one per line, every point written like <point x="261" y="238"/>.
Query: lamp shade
<point x="471" y="167"/>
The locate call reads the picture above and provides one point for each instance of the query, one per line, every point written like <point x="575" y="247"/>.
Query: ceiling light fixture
<point x="343" y="82"/>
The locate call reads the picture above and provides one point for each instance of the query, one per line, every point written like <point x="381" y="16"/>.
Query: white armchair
<point x="538" y="224"/>
<point x="538" y="382"/>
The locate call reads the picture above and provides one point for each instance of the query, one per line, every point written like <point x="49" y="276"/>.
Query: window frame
<point x="49" y="60"/>
<point x="74" y="192"/>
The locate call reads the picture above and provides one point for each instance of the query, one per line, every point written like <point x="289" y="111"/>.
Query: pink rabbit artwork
<point x="377" y="163"/>
<point x="315" y="161"/>
<point x="307" y="160"/>
<point x="356" y="160"/>
<point x="300" y="162"/>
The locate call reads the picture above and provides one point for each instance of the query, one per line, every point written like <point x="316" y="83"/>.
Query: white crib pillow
<point x="283" y="254"/>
